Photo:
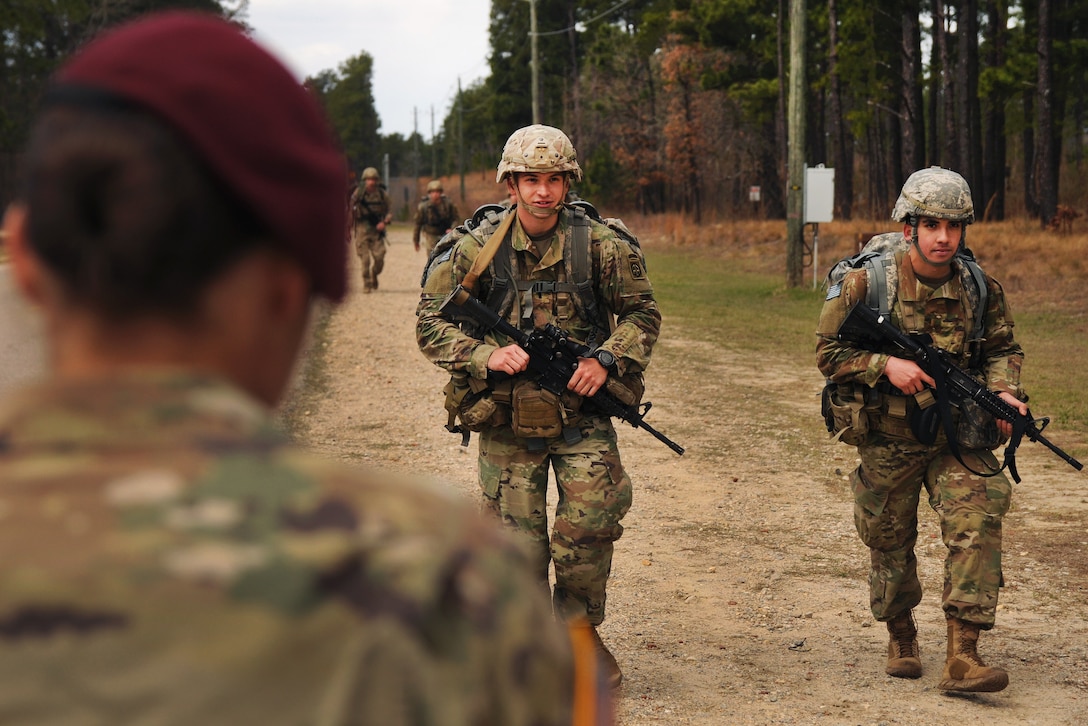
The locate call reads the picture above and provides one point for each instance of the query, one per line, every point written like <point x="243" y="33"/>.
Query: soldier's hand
<point x="509" y="359"/>
<point x="1005" y="427"/>
<point x="588" y="377"/>
<point x="907" y="376"/>
<point x="380" y="226"/>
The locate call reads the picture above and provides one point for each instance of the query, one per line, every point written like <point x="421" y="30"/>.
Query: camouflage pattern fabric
<point x="887" y="487"/>
<point x="169" y="558"/>
<point x="594" y="495"/>
<point x="432" y="220"/>
<point x="369" y="208"/>
<point x="895" y="465"/>
<point x="513" y="479"/>
<point x="937" y="193"/>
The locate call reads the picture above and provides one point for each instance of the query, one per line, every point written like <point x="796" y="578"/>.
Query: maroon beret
<point x="244" y="114"/>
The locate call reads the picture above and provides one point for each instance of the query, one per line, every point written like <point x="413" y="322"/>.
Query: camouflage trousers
<point x="594" y="495"/>
<point x="370" y="245"/>
<point x="887" y="486"/>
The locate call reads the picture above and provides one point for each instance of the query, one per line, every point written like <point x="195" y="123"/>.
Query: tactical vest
<point x="508" y="291"/>
<point x="878" y="260"/>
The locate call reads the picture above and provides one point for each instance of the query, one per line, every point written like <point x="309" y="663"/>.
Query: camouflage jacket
<point x="167" y="557"/>
<point x="620" y="285"/>
<point x="370" y="207"/>
<point x="945" y="313"/>
<point x="435" y="218"/>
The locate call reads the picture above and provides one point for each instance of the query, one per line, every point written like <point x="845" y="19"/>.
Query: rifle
<point x="553" y="357"/>
<point x="867" y="328"/>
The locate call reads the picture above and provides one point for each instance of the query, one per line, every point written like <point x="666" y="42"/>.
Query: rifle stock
<point x="865" y="327"/>
<point x="553" y="357"/>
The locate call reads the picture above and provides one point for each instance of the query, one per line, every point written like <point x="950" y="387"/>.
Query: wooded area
<point x="679" y="105"/>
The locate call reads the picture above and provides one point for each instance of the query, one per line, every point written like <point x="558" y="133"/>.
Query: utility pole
<point x="534" y="62"/>
<point x="415" y="148"/>
<point x="461" y="137"/>
<point x="795" y="199"/>
<point x="434" y="148"/>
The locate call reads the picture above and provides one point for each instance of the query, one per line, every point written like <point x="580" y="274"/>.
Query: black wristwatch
<point x="605" y="358"/>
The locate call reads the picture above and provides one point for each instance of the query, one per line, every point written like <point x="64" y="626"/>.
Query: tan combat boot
<point x="607" y="660"/>
<point x="904" y="657"/>
<point x="964" y="669"/>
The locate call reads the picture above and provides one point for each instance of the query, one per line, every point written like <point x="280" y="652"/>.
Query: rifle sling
<point x="490" y="248"/>
<point x="945" y="407"/>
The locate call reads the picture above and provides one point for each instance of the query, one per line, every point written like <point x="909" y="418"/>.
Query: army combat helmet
<point x="937" y="193"/>
<point x="540" y="149"/>
<point x="370" y="173"/>
<point x="434" y="186"/>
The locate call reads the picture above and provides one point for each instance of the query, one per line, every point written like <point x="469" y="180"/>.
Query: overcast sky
<point x="419" y="47"/>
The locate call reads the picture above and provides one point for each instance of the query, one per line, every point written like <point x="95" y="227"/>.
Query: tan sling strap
<point x="487" y="253"/>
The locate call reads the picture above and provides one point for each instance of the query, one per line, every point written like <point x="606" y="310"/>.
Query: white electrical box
<point x="819" y="194"/>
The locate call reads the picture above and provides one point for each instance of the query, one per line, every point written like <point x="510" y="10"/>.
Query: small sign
<point x="753" y="194"/>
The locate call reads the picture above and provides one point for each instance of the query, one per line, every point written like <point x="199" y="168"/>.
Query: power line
<point x="594" y="19"/>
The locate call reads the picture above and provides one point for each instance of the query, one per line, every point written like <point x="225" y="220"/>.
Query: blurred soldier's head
<point x="371" y="177"/>
<point x="434" y="190"/>
<point x="172" y="213"/>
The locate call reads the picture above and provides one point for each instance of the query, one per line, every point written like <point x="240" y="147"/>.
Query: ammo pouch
<point x="537" y="413"/>
<point x="846" y="408"/>
<point x="470" y="401"/>
<point x="976" y="429"/>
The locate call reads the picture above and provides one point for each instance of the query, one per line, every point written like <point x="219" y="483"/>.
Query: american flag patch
<point x="834" y="291"/>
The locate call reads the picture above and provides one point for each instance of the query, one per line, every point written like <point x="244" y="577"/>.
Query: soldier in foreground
<point x="531" y="273"/>
<point x="371" y="211"/>
<point x="435" y="216"/>
<point x="881" y="404"/>
<point x="167" y="556"/>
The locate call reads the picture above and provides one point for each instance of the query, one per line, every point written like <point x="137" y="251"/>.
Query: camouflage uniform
<point x="432" y="221"/>
<point x="169" y="558"/>
<point x="594" y="489"/>
<point x="895" y="465"/>
<point x="368" y="209"/>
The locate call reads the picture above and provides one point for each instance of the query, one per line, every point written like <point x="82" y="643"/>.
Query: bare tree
<point x="1046" y="188"/>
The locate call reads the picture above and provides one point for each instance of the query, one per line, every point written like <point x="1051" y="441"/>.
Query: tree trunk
<point x="994" y="149"/>
<point x="970" y="146"/>
<point x="1046" y="188"/>
<point x="842" y="143"/>
<point x="945" y="85"/>
<point x="911" y="104"/>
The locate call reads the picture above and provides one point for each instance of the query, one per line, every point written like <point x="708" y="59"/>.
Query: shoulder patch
<point x="834" y="291"/>
<point x="638" y="270"/>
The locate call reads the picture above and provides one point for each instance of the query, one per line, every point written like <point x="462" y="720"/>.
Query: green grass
<point x="707" y="297"/>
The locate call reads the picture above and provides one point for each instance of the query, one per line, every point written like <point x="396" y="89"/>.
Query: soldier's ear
<point x="26" y="267"/>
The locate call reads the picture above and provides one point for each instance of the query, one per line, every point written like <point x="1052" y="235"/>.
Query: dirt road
<point x="738" y="594"/>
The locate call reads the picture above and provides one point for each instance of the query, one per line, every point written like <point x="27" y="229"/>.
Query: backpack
<point x="877" y="257"/>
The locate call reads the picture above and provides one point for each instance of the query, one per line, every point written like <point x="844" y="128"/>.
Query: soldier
<point x="371" y="212"/>
<point x="435" y="216"/>
<point x="533" y="280"/>
<point x="932" y="289"/>
<point x="167" y="555"/>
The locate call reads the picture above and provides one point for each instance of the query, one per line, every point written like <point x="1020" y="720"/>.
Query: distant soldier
<point x="371" y="211"/>
<point x="435" y="216"/>
<point x="167" y="555"/>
